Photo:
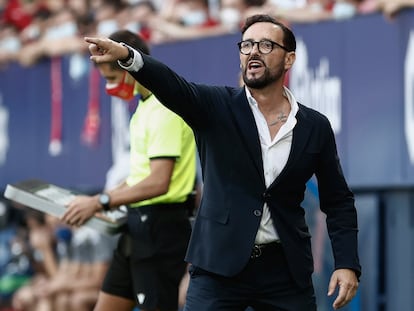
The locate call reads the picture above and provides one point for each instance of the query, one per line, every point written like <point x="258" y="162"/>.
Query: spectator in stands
<point x="107" y="15"/>
<point x="18" y="13"/>
<point x="368" y="7"/>
<point x="185" y="19"/>
<point x="148" y="264"/>
<point x="20" y="23"/>
<point x="234" y="12"/>
<point x="82" y="11"/>
<point x="16" y="260"/>
<point x="390" y="8"/>
<point x="42" y="241"/>
<point x="164" y="31"/>
<point x="345" y="9"/>
<point x="317" y="11"/>
<point x="75" y="287"/>
<point x="75" y="262"/>
<point x="187" y="12"/>
<point x="250" y="244"/>
<point x="28" y="38"/>
<point x="55" y="37"/>
<point x="35" y="29"/>
<point x="56" y="28"/>
<point x="9" y="44"/>
<point x="139" y="18"/>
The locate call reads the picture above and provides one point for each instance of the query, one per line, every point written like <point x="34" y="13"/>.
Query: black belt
<point x="258" y="249"/>
<point x="168" y="211"/>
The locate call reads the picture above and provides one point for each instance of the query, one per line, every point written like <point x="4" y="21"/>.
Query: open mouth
<point x="254" y="66"/>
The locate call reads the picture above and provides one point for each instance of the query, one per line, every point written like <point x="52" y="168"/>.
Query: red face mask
<point x="124" y="89"/>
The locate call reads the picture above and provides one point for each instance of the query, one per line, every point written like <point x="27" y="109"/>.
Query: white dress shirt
<point x="275" y="153"/>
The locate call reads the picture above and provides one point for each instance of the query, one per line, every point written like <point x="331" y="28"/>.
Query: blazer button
<point x="257" y="213"/>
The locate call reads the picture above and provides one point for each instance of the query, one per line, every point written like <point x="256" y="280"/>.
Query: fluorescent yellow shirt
<point x="158" y="132"/>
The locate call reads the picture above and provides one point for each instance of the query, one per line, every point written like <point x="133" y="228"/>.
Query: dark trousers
<point x="265" y="284"/>
<point x="149" y="259"/>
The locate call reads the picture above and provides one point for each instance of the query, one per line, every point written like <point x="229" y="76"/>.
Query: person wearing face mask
<point x="124" y="88"/>
<point x="250" y="244"/>
<point x="148" y="264"/>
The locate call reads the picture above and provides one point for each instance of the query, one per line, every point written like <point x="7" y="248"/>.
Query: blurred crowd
<point x="45" y="265"/>
<point x="33" y="29"/>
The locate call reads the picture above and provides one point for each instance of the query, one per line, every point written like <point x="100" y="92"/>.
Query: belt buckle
<point x="256" y="252"/>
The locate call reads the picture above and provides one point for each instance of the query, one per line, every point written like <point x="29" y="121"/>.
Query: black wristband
<point x="127" y="60"/>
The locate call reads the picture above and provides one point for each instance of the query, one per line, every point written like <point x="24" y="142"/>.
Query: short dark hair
<point x="133" y="40"/>
<point x="289" y="40"/>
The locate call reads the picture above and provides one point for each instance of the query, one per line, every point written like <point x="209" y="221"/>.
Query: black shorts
<point x="148" y="263"/>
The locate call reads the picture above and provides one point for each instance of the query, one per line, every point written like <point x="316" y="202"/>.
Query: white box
<point x="52" y="199"/>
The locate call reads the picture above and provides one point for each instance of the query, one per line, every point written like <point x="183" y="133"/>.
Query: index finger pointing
<point x="91" y="40"/>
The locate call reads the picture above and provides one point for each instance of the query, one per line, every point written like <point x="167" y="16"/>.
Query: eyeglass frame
<point x="258" y="45"/>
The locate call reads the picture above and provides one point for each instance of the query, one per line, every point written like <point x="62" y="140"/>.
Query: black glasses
<point x="264" y="46"/>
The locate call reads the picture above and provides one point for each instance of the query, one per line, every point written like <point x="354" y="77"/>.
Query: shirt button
<point x="257" y="213"/>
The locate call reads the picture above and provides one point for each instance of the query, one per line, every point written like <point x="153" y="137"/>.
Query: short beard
<point x="263" y="81"/>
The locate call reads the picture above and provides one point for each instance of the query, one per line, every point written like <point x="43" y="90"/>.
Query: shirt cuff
<point x="136" y="64"/>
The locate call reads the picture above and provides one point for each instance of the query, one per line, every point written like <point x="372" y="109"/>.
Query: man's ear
<point x="289" y="59"/>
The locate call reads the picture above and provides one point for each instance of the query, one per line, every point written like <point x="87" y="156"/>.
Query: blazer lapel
<point x="301" y="134"/>
<point x="244" y="121"/>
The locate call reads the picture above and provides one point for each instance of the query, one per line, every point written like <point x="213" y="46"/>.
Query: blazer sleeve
<point x="193" y="102"/>
<point x="337" y="202"/>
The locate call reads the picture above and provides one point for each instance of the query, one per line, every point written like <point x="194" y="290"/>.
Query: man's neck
<point x="269" y="99"/>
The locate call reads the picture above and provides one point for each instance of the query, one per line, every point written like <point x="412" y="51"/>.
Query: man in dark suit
<point x="258" y="147"/>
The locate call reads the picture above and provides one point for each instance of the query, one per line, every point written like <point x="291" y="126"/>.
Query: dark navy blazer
<point x="234" y="189"/>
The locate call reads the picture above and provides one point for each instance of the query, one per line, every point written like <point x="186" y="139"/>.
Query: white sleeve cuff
<point x="136" y="64"/>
